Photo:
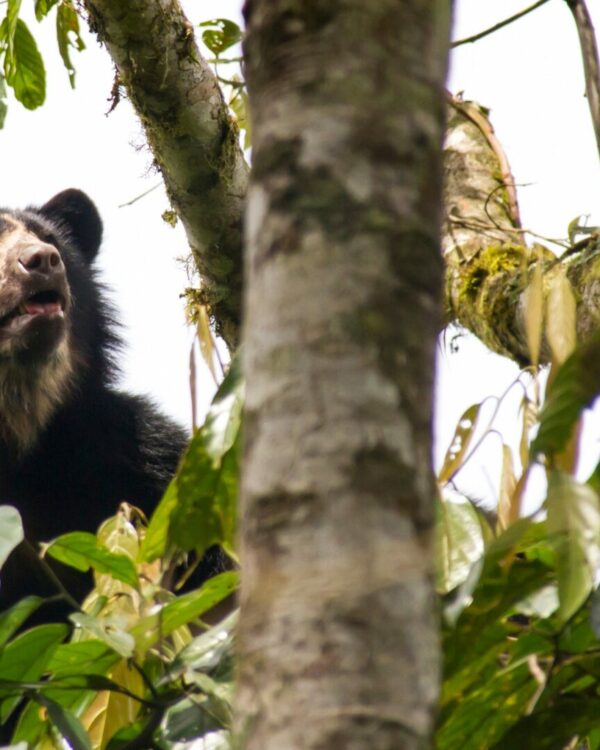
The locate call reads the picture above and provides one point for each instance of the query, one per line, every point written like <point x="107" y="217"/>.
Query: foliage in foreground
<point x="521" y="608"/>
<point x="140" y="669"/>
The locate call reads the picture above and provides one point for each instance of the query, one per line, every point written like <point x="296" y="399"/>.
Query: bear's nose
<point x="44" y="259"/>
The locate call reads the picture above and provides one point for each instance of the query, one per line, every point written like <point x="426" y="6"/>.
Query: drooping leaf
<point x="460" y="443"/>
<point x="560" y="318"/>
<point x="24" y="68"/>
<point x="533" y="299"/>
<point x="220" y="35"/>
<point x="81" y="550"/>
<point x="43" y="7"/>
<point x="574" y="387"/>
<point x="459" y="540"/>
<point x="68" y="37"/>
<point x="11" y="531"/>
<point x="574" y="528"/>
<point x="507" y="507"/>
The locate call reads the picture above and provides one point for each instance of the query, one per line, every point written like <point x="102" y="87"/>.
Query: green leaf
<point x="68" y="37"/>
<point x="183" y="610"/>
<point x="220" y="35"/>
<point x="43" y="7"/>
<point x="67" y="724"/>
<point x="11" y="531"/>
<point x="3" y="105"/>
<point x="575" y="386"/>
<point x="12" y="619"/>
<point x="574" y="529"/>
<point x="199" y="507"/>
<point x="25" y="659"/>
<point x="553" y="727"/>
<point x="81" y="550"/>
<point x="108" y="629"/>
<point x="23" y="65"/>
<point x="459" y="540"/>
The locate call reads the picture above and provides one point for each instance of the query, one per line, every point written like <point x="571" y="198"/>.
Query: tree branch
<point x="497" y="26"/>
<point x="191" y="134"/>
<point x="591" y="65"/>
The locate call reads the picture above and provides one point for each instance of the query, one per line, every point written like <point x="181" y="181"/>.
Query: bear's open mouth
<point x="47" y="302"/>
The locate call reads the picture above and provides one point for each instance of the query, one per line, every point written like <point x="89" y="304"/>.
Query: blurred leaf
<point x="108" y="629"/>
<point x="11" y="531"/>
<point x="23" y="65"/>
<point x="533" y="300"/>
<point x="67" y="724"/>
<point x="110" y="711"/>
<point x="68" y="37"/>
<point x="220" y="35"/>
<point x="199" y="507"/>
<point x="575" y="386"/>
<point x="553" y="727"/>
<point x="81" y="550"/>
<point x="560" y="318"/>
<point x="43" y="7"/>
<point x="529" y="418"/>
<point x="508" y="506"/>
<point x="12" y="619"/>
<point x="206" y="340"/>
<point x="206" y="651"/>
<point x="460" y="443"/>
<point x="240" y="107"/>
<point x="459" y="541"/>
<point x="574" y="528"/>
<point x="25" y="660"/>
<point x="183" y="610"/>
<point x="3" y="105"/>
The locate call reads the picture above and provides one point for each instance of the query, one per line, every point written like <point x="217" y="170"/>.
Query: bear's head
<point x="53" y="324"/>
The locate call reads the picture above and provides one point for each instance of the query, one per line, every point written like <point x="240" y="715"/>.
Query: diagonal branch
<point x="192" y="137"/>
<point x="591" y="65"/>
<point x="497" y="26"/>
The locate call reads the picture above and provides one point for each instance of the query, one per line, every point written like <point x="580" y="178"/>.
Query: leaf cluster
<point x="140" y="668"/>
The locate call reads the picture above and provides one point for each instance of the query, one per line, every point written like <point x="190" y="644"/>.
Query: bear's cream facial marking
<point x="34" y="293"/>
<point x="35" y="360"/>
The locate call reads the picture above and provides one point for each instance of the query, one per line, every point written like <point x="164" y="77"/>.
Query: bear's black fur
<point x="71" y="446"/>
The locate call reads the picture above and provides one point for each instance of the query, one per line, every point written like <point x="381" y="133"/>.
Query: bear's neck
<point x="29" y="396"/>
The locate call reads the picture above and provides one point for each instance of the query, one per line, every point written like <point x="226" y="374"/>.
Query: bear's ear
<point x="76" y="213"/>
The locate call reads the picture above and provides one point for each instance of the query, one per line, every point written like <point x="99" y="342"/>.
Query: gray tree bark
<point x="191" y="134"/>
<point x="338" y="638"/>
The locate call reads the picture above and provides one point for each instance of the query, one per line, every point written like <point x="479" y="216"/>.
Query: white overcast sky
<point x="529" y="74"/>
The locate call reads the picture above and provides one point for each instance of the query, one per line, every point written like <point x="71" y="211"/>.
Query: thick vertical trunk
<point x="338" y="645"/>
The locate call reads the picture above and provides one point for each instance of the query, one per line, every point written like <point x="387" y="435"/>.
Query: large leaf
<point x="81" y="550"/>
<point x="43" y="7"/>
<point x="183" y="610"/>
<point x="575" y="386"/>
<point x="25" y="659"/>
<point x="220" y="35"/>
<point x="574" y="529"/>
<point x="23" y="65"/>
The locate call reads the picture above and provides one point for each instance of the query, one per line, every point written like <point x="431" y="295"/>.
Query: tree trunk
<point x="191" y="134"/>
<point x="338" y="638"/>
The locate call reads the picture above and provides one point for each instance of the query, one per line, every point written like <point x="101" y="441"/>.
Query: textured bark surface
<point x="192" y="137"/>
<point x="489" y="266"/>
<point x="338" y="636"/>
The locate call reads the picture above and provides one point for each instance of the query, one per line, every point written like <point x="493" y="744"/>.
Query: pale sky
<point x="529" y="74"/>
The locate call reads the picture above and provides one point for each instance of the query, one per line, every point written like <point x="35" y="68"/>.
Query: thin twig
<point x="591" y="64"/>
<point x="499" y="25"/>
